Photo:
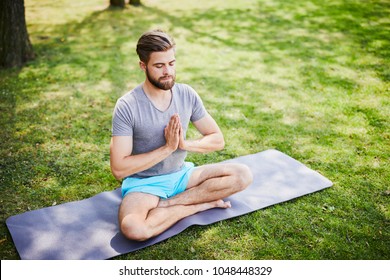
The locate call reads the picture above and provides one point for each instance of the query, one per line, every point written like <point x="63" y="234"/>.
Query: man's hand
<point x="211" y="139"/>
<point x="182" y="142"/>
<point x="172" y="132"/>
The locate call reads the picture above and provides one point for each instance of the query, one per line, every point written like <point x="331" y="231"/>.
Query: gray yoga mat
<point x="88" y="229"/>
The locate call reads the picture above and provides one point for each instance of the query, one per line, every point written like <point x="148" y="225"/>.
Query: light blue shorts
<point x="164" y="186"/>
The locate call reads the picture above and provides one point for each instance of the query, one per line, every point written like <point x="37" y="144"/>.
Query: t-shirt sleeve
<point x="198" y="109"/>
<point x="122" y="124"/>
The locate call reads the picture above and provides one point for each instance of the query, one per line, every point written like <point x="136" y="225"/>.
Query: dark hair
<point x="153" y="41"/>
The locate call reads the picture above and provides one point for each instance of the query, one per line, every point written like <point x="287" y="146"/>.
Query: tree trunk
<point x="135" y="2"/>
<point x="15" y="45"/>
<point x="117" y="3"/>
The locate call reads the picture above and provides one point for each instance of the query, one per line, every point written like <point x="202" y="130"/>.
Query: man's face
<point x="160" y="70"/>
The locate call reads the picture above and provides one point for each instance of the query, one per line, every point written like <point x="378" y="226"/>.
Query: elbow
<point x="117" y="173"/>
<point x="221" y="144"/>
<point x="119" y="170"/>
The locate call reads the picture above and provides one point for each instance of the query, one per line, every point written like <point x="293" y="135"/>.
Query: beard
<point x="158" y="83"/>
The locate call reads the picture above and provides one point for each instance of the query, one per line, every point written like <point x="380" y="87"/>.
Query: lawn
<point x="309" y="78"/>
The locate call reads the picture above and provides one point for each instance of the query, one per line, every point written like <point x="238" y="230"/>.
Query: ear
<point x="142" y="65"/>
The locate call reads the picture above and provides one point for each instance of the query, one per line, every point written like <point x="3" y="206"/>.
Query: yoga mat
<point x="88" y="229"/>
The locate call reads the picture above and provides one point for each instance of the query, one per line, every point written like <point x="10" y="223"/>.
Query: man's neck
<point x="155" y="93"/>
<point x="160" y="98"/>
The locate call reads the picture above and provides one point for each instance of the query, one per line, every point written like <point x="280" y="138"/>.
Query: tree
<point x="135" y="2"/>
<point x="15" y="45"/>
<point x="117" y="3"/>
<point x="121" y="3"/>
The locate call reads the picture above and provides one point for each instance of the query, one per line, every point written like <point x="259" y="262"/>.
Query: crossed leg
<point x="142" y="216"/>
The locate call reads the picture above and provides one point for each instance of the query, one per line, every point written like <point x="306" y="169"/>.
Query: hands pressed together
<point x="174" y="134"/>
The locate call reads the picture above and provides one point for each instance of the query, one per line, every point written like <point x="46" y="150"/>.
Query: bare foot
<point x="203" y="206"/>
<point x="222" y="204"/>
<point x="213" y="204"/>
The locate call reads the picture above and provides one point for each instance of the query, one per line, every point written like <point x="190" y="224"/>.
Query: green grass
<point x="309" y="78"/>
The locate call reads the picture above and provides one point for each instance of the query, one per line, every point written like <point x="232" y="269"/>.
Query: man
<point x="149" y="146"/>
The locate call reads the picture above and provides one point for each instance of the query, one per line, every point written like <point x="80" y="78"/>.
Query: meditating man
<point x="149" y="147"/>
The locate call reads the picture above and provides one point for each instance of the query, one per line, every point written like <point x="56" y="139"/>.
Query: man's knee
<point x="243" y="176"/>
<point x="134" y="230"/>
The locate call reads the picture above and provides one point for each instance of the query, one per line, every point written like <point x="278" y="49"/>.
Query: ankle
<point x="163" y="203"/>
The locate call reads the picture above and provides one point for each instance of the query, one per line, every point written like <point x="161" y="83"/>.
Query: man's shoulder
<point x="185" y="91"/>
<point x="130" y="96"/>
<point x="180" y="87"/>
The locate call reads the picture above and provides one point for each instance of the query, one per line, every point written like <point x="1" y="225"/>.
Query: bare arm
<point x="124" y="164"/>
<point x="211" y="140"/>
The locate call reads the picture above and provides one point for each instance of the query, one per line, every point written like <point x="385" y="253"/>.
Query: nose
<point x="168" y="70"/>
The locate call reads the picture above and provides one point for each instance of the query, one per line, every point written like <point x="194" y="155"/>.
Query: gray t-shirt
<point x="135" y="115"/>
